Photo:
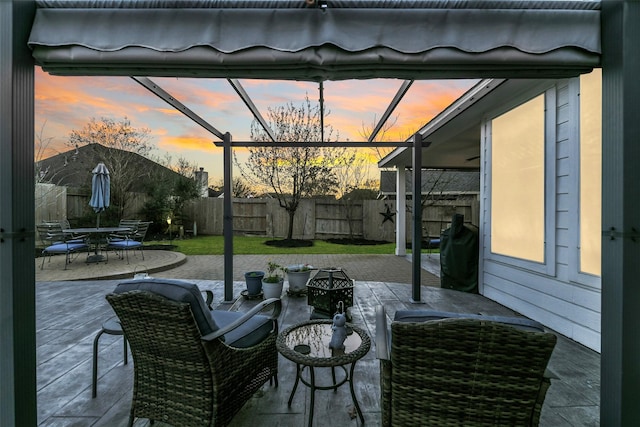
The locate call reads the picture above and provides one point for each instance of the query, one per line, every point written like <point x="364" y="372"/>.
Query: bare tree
<point x="239" y="187"/>
<point x="121" y="139"/>
<point x="432" y="192"/>
<point x="292" y="173"/>
<point x="352" y="171"/>
<point x="366" y="130"/>
<point x="42" y="147"/>
<point x="45" y="195"/>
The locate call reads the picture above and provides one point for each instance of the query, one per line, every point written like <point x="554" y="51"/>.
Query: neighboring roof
<point x="435" y="182"/>
<point x="213" y="193"/>
<point x="317" y="40"/>
<point x="73" y="168"/>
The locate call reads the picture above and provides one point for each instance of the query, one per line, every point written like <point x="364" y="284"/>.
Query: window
<point x="518" y="182"/>
<point x="590" y="172"/>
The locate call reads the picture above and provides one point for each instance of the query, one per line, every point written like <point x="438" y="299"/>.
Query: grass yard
<point x="243" y="245"/>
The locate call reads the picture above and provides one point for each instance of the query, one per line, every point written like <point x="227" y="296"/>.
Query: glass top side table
<point x="307" y="345"/>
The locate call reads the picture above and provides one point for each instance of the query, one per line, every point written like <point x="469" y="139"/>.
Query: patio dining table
<point x="96" y="236"/>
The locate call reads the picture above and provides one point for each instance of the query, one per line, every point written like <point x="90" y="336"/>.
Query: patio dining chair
<point x="131" y="224"/>
<point x="129" y="242"/>
<point x="193" y="366"/>
<point x="449" y="369"/>
<point x="58" y="242"/>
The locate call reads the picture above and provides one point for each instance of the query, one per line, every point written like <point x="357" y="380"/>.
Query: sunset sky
<point x="63" y="104"/>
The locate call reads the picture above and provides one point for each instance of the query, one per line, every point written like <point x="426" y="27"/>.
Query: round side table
<point x="307" y="345"/>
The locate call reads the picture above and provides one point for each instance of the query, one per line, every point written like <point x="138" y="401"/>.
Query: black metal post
<point x="416" y="241"/>
<point x="227" y="223"/>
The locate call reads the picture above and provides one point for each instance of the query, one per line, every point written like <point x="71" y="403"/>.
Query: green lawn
<point x="242" y="245"/>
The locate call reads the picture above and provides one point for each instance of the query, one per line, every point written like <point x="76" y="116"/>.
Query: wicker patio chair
<point x="192" y="366"/>
<point x="446" y="369"/>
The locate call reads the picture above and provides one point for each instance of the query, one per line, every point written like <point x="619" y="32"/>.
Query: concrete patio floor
<point x="70" y="312"/>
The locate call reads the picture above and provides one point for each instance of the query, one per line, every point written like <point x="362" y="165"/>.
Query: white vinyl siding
<point x="553" y="292"/>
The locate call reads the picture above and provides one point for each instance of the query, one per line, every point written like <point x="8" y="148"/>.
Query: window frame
<point x="576" y="275"/>
<point x="547" y="266"/>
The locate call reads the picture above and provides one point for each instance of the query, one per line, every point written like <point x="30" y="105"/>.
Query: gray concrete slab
<point x="71" y="312"/>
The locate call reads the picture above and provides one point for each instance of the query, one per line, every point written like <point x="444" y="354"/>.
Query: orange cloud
<point x="66" y="103"/>
<point x="181" y="143"/>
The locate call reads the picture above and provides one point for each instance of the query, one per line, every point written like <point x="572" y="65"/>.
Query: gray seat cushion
<point x="250" y="333"/>
<point x="176" y="290"/>
<point x="425" y="315"/>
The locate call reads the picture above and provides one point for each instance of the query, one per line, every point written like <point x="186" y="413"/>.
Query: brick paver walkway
<point x="377" y="268"/>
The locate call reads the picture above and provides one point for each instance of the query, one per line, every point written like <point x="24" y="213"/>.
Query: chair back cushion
<point x="176" y="290"/>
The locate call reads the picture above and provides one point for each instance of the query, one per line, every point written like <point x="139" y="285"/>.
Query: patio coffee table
<point x="307" y="344"/>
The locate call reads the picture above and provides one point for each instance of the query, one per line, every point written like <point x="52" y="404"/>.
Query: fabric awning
<point x="347" y="39"/>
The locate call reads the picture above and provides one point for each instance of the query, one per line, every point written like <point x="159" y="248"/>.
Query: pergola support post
<point x="620" y="367"/>
<point x="401" y="209"/>
<point x="227" y="223"/>
<point x="416" y="240"/>
<point x="17" y="246"/>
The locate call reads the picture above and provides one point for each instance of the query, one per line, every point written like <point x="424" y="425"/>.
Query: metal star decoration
<point x="388" y="215"/>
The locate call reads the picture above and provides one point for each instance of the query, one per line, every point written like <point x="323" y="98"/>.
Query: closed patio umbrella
<point x="100" y="190"/>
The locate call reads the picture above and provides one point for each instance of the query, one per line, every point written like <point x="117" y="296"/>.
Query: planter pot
<point x="272" y="290"/>
<point x="253" y="280"/>
<point x="298" y="280"/>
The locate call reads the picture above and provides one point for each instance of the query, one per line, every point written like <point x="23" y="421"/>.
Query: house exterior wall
<point x="552" y="292"/>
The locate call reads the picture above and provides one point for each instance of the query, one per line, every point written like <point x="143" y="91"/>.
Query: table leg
<point x="313" y="394"/>
<point x="353" y="393"/>
<point x="295" y="385"/>
<point x="333" y="375"/>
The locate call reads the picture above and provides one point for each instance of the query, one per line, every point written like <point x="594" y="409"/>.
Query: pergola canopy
<point x="324" y="40"/>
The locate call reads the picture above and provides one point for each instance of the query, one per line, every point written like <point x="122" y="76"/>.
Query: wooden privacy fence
<point x="322" y="218"/>
<point x="58" y="202"/>
<point x="314" y="218"/>
<point x="50" y="202"/>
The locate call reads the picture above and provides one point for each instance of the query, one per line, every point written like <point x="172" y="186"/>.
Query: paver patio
<point x="69" y="314"/>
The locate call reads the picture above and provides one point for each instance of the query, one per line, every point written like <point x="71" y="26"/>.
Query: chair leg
<point x="126" y="356"/>
<point x="94" y="383"/>
<point x="109" y="329"/>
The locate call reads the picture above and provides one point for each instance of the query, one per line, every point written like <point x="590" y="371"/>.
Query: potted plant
<point x="273" y="281"/>
<point x="298" y="275"/>
<point x="253" y="279"/>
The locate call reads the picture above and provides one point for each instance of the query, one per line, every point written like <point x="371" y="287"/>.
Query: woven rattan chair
<point x="189" y="369"/>
<point x="445" y="369"/>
